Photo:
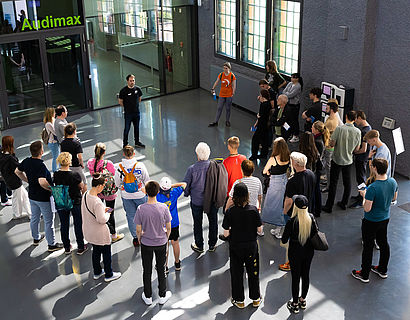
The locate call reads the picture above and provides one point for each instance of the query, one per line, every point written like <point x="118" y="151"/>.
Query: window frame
<point x="270" y="33"/>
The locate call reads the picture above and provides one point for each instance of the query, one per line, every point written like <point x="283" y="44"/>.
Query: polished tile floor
<point x="38" y="285"/>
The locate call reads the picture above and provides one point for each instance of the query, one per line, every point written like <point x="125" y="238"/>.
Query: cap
<point x="165" y="183"/>
<point x="300" y="201"/>
<point x="240" y="190"/>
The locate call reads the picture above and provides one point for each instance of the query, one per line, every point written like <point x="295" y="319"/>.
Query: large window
<point x="267" y="29"/>
<point x="226" y="27"/>
<point x="254" y="31"/>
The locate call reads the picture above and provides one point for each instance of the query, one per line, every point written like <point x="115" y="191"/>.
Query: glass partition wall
<point x="153" y="40"/>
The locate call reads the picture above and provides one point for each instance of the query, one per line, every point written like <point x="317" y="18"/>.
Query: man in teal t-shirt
<point x="378" y="198"/>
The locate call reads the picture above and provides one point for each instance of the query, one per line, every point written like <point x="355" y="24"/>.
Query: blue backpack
<point x="62" y="197"/>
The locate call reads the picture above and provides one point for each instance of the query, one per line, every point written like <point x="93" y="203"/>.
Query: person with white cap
<point x="169" y="194"/>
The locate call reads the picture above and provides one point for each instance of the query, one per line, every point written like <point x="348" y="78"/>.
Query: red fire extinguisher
<point x="168" y="61"/>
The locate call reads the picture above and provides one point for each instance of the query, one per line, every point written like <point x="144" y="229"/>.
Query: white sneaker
<point x="168" y="295"/>
<point x="115" y="276"/>
<point x="148" y="301"/>
<point x="7" y="203"/>
<point x="294" y="139"/>
<point x="98" y="276"/>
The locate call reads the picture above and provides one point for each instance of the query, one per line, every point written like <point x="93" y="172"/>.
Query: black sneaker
<point x="135" y="242"/>
<point x="37" y="242"/>
<point x="357" y="274"/>
<point x="223" y="238"/>
<point x="55" y="247"/>
<point x="302" y="304"/>
<point x="213" y="124"/>
<point x="139" y="144"/>
<point x="227" y="123"/>
<point x="178" y="266"/>
<point x="293" y="307"/>
<point x="196" y="248"/>
<point x="375" y="269"/>
<point x="80" y="252"/>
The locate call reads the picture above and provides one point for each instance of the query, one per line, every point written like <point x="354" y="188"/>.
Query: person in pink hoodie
<point x="95" y="229"/>
<point x="99" y="165"/>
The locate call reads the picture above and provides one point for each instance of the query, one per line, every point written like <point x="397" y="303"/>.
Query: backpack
<point x="129" y="180"/>
<point x="62" y="197"/>
<point x="110" y="188"/>
<point x="44" y="135"/>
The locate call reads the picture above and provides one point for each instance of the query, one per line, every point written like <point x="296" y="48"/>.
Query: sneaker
<point x="257" y="303"/>
<point x="238" y="304"/>
<point x="56" y="247"/>
<point x="293" y="307"/>
<point x="294" y="139"/>
<point x="357" y="274"/>
<point x="139" y="144"/>
<point x="227" y="123"/>
<point x="148" y="301"/>
<point x="98" y="276"/>
<point x="285" y="266"/>
<point x="135" y="242"/>
<point x="223" y="238"/>
<point x="115" y="276"/>
<point x="168" y="295"/>
<point x="7" y="203"/>
<point x="196" y="248"/>
<point x="37" y="242"/>
<point x="375" y="269"/>
<point x="302" y="303"/>
<point x="118" y="237"/>
<point x="213" y="124"/>
<point x="178" y="266"/>
<point x="68" y="250"/>
<point x="80" y="252"/>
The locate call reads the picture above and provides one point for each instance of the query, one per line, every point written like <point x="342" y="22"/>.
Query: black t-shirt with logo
<point x="130" y="98"/>
<point x="302" y="183"/>
<point x="243" y="223"/>
<point x="72" y="180"/>
<point x="73" y="146"/>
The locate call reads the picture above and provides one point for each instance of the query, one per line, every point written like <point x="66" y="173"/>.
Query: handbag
<point x="318" y="240"/>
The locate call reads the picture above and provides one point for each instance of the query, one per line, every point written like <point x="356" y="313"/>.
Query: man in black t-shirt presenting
<point x="314" y="113"/>
<point x="130" y="98"/>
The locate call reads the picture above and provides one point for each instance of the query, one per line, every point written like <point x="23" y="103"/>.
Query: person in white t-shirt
<point x="131" y="192"/>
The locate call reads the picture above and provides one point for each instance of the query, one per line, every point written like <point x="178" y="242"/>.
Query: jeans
<point x="65" y="226"/>
<point x="300" y="261"/>
<point x="334" y="177"/>
<point x="294" y="119"/>
<point x="228" y="104"/>
<point x="197" y="215"/>
<point x="246" y="253"/>
<point x="133" y="118"/>
<point x="105" y="251"/>
<point x="39" y="208"/>
<point x="371" y="231"/>
<point x="130" y="207"/>
<point x="147" y="253"/>
<point x="55" y="151"/>
<point x="4" y="191"/>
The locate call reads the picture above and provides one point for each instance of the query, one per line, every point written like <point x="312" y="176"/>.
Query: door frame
<point x="41" y="37"/>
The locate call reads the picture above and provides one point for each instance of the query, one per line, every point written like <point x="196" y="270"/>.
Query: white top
<point x="254" y="186"/>
<point x="140" y="173"/>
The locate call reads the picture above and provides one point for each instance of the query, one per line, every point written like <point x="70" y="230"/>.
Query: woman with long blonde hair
<point x="49" y="116"/>
<point x="298" y="231"/>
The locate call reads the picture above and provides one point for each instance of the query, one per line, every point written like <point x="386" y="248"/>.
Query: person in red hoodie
<point x="233" y="166"/>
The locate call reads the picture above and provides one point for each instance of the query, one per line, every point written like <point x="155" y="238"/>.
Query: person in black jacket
<point x="261" y="135"/>
<point x="8" y="164"/>
<point x="281" y="118"/>
<point x="241" y="223"/>
<point x="298" y="231"/>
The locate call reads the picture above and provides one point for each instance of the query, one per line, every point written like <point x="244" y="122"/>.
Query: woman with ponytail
<point x="99" y="165"/>
<point x="298" y="231"/>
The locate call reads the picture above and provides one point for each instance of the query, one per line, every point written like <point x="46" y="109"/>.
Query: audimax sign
<point x="50" y="22"/>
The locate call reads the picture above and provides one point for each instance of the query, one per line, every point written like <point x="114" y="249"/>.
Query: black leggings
<point x="300" y="259"/>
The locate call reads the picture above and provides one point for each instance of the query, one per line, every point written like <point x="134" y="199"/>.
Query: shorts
<point x="174" y="235"/>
